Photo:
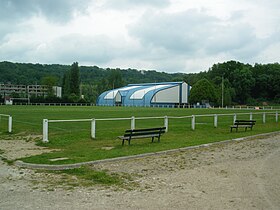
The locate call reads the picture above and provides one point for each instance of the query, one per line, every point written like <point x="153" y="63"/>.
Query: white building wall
<point x="170" y="95"/>
<point x="57" y="91"/>
<point x="184" y="93"/>
<point x="118" y="97"/>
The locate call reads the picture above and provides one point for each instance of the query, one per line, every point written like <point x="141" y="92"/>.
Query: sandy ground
<point x="235" y="175"/>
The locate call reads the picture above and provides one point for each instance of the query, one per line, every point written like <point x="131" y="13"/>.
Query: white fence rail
<point x="133" y="119"/>
<point x="10" y="121"/>
<point x="156" y="106"/>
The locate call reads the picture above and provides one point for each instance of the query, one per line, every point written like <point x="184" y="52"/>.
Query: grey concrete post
<point x="193" y="122"/>
<point x="45" y="130"/>
<point x="132" y="123"/>
<point x="215" y="120"/>
<point x="166" y="123"/>
<point x="10" y="124"/>
<point x="264" y="117"/>
<point x="93" y="125"/>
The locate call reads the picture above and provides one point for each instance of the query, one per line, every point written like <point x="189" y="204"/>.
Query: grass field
<point x="73" y="138"/>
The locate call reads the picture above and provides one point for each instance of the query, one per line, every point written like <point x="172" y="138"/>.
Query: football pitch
<point x="73" y="139"/>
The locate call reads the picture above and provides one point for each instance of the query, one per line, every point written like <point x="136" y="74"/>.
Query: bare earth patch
<point x="236" y="175"/>
<point x="14" y="149"/>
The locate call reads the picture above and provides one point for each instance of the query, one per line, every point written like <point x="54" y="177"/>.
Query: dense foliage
<point x="202" y="90"/>
<point x="71" y="83"/>
<point x="242" y="83"/>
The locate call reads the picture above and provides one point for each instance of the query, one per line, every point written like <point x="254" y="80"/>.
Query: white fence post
<point x="251" y="116"/>
<point x="93" y="124"/>
<point x="234" y="118"/>
<point x="132" y="123"/>
<point x="264" y="117"/>
<point x="10" y="124"/>
<point x="215" y="120"/>
<point x="45" y="131"/>
<point x="166" y="123"/>
<point x="193" y="122"/>
<point x="276" y="116"/>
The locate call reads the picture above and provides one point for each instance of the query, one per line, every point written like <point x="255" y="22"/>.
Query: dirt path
<point x="236" y="175"/>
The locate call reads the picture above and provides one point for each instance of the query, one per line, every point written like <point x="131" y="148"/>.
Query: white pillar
<point x="234" y="118"/>
<point x="45" y="131"/>
<point x="251" y="116"/>
<point x="193" y="122"/>
<point x="276" y="116"/>
<point x="10" y="124"/>
<point x="264" y="117"/>
<point x="166" y="123"/>
<point x="215" y="120"/>
<point x="93" y="124"/>
<point x="132" y="123"/>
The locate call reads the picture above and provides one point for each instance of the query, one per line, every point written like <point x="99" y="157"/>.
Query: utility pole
<point x="222" y="91"/>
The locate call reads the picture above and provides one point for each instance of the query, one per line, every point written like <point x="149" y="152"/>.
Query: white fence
<point x="154" y="106"/>
<point x="10" y="121"/>
<point x="165" y="121"/>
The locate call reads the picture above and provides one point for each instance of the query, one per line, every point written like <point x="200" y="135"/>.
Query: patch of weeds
<point x="9" y="162"/>
<point x="6" y="137"/>
<point x="86" y="177"/>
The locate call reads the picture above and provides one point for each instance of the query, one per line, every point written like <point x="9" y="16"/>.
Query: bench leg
<point x="153" y="139"/>
<point x="122" y="142"/>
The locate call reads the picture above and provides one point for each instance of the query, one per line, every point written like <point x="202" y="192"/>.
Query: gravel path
<point x="236" y="175"/>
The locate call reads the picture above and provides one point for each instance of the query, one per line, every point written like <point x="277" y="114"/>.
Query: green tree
<point x="74" y="79"/>
<point x="224" y="91"/>
<point x="50" y="81"/>
<point x="115" y="79"/>
<point x="243" y="82"/>
<point x="66" y="84"/>
<point x="71" y="82"/>
<point x="89" y="92"/>
<point x="102" y="86"/>
<point x="203" y="90"/>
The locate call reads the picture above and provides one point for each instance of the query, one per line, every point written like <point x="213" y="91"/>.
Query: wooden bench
<point x="142" y="133"/>
<point x="243" y="124"/>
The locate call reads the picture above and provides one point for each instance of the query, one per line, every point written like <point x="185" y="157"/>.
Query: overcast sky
<point x="166" y="35"/>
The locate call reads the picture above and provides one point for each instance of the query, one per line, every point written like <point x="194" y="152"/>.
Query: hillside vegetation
<point x="242" y="83"/>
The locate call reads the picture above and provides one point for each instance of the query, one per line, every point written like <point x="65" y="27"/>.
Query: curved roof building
<point x="147" y="94"/>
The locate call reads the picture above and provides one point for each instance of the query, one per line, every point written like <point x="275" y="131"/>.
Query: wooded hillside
<point x="243" y="83"/>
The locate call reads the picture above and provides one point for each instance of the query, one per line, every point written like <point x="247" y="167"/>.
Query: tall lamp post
<point x="222" y="91"/>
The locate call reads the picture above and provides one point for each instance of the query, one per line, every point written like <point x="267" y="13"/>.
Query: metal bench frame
<point x="142" y="133"/>
<point x="243" y="124"/>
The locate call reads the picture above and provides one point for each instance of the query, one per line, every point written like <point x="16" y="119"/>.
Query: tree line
<point x="225" y="83"/>
<point x="237" y="83"/>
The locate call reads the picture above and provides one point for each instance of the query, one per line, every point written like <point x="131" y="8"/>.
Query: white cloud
<point x="166" y="35"/>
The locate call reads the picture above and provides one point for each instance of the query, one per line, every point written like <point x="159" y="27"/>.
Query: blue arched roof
<point x="134" y="94"/>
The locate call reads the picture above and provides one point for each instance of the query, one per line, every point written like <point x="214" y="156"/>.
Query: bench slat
<point x="145" y="129"/>
<point x="143" y="133"/>
<point x="138" y="137"/>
